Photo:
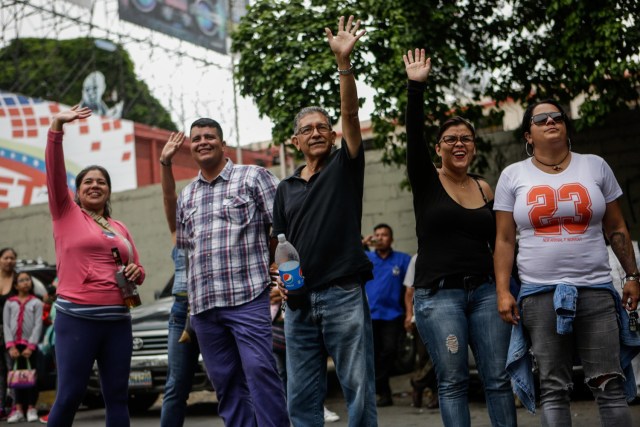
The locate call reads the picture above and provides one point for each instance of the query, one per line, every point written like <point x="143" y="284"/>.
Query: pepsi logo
<point x="287" y="278"/>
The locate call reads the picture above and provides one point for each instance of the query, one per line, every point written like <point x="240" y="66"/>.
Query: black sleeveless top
<point x="452" y="240"/>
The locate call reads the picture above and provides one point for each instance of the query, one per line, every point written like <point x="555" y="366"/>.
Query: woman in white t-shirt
<point x="559" y="202"/>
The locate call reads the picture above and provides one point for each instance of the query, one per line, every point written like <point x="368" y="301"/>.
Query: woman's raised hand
<point x="417" y="68"/>
<point x="342" y="43"/>
<point x="76" y="112"/>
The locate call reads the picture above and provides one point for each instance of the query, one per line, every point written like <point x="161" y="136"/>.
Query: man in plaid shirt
<point x="223" y="221"/>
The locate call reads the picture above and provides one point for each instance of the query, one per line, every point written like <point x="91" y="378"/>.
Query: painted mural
<point x="24" y="122"/>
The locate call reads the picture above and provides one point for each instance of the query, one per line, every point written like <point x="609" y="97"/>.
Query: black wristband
<point x="167" y="164"/>
<point x="633" y="277"/>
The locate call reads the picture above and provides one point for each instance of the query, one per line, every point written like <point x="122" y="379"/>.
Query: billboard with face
<point x="201" y="22"/>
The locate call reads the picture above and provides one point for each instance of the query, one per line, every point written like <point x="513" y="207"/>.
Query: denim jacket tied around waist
<point x="519" y="359"/>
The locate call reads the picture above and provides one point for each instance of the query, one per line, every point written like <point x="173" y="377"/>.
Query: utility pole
<point x="234" y="86"/>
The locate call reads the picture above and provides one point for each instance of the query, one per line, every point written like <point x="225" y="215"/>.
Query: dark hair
<point x="3" y="250"/>
<point x="80" y="177"/>
<point x="453" y="121"/>
<point x="309" y="110"/>
<point x="15" y="281"/>
<point x="383" y="225"/>
<point x="528" y="114"/>
<point x="205" y="122"/>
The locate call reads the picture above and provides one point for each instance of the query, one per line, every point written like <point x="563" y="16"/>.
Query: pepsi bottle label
<point x="291" y="275"/>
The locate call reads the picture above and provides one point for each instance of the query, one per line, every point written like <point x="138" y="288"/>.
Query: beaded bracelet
<point x="346" y="72"/>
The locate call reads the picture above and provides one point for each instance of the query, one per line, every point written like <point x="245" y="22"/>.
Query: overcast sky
<point x="188" y="80"/>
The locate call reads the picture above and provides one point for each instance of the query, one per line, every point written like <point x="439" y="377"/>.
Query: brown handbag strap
<point x="104" y="224"/>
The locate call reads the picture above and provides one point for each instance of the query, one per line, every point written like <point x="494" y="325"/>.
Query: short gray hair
<point x="309" y="110"/>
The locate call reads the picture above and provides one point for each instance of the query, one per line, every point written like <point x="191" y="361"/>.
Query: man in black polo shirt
<point x="319" y="209"/>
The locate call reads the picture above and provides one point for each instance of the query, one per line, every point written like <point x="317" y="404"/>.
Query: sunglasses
<point x="542" y="118"/>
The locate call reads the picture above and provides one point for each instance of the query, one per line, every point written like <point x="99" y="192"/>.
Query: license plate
<point x="139" y="379"/>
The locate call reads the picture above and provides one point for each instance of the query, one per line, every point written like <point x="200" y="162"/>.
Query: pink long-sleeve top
<point x="86" y="269"/>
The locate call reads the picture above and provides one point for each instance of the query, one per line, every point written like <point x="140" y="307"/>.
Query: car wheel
<point x="140" y="402"/>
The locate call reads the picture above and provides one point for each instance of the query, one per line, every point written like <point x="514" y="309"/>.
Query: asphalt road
<point x="202" y="411"/>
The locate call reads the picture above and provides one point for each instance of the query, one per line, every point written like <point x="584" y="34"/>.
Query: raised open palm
<point x="345" y="39"/>
<point x="74" y="113"/>
<point x="417" y="68"/>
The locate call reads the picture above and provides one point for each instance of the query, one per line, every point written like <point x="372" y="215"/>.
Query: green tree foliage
<point x="503" y="49"/>
<point x="567" y="48"/>
<point x="286" y="63"/>
<point x="55" y="70"/>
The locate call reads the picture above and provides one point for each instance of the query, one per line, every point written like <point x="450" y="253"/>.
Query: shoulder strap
<point x="480" y="188"/>
<point x="485" y="202"/>
<point x="104" y="224"/>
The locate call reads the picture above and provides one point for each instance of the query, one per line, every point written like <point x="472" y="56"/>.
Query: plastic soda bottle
<point x="288" y="262"/>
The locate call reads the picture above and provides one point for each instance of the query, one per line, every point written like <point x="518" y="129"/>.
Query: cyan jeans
<point x="337" y="322"/>
<point x="183" y="361"/>
<point x="595" y="338"/>
<point x="450" y="320"/>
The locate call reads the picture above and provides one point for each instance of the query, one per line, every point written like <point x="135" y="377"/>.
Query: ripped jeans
<point x="595" y="339"/>
<point x="450" y="320"/>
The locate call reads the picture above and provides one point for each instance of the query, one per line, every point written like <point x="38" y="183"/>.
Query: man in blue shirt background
<point x="385" y="295"/>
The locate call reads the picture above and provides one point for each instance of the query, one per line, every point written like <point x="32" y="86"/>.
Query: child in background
<point x="22" y="322"/>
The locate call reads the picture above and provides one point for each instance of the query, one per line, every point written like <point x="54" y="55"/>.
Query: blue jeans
<point x="183" y="361"/>
<point x="338" y="323"/>
<point x="449" y="320"/>
<point x="236" y="345"/>
<point x="595" y="338"/>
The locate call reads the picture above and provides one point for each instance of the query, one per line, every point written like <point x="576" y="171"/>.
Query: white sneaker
<point x="15" y="417"/>
<point x="330" y="416"/>
<point x="32" y="415"/>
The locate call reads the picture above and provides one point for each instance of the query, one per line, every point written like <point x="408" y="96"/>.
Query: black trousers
<point x="385" y="346"/>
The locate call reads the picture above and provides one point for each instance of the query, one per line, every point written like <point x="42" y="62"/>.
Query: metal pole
<point x="235" y="92"/>
<point x="235" y="113"/>
<point x="283" y="161"/>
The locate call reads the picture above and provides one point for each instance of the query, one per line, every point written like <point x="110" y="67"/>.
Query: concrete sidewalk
<point x="402" y="414"/>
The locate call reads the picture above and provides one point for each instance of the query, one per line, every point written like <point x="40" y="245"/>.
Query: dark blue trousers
<point x="236" y="346"/>
<point x="80" y="342"/>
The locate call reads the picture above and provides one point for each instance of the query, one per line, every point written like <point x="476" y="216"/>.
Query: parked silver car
<point x="149" y="362"/>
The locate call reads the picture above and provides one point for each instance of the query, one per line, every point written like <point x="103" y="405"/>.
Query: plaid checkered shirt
<point x="224" y="226"/>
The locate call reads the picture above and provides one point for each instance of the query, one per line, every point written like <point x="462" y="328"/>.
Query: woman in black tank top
<point x="455" y="295"/>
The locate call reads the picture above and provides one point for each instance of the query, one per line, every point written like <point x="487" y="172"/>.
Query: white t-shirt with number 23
<point x="559" y="218"/>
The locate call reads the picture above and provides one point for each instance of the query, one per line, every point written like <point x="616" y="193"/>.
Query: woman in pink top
<point x="92" y="321"/>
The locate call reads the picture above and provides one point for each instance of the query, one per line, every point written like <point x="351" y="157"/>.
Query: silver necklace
<point x="460" y="184"/>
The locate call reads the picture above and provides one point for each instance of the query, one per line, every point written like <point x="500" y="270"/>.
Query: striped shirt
<point x="223" y="225"/>
<point x="92" y="312"/>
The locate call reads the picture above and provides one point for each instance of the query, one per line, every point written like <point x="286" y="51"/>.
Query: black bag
<point x="406" y="354"/>
<point x="277" y="331"/>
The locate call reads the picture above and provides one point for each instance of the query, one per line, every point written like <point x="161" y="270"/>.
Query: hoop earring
<point x="526" y="149"/>
<point x="569" y="139"/>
